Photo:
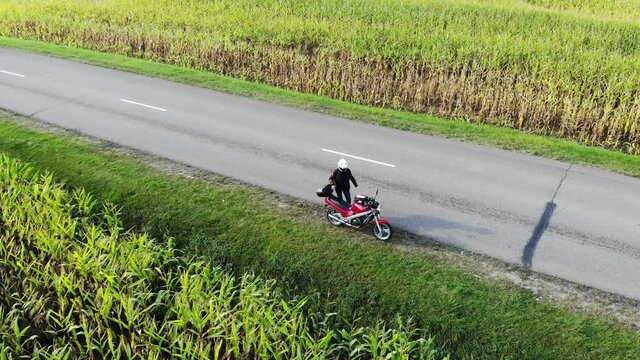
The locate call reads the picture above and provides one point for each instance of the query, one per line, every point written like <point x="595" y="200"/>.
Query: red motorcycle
<point x="363" y="212"/>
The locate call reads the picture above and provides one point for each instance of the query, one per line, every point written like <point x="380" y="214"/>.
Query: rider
<point x="340" y="179"/>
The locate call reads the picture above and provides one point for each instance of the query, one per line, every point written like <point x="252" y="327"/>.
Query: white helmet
<point x="342" y="164"/>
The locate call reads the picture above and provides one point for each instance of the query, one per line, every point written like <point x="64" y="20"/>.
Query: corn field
<point x="569" y="69"/>
<point x="74" y="284"/>
<point x="615" y="9"/>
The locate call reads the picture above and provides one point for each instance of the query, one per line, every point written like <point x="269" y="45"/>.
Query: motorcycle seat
<point x="341" y="204"/>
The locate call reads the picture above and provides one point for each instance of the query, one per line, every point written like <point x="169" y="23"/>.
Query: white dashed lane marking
<point x="358" y="157"/>
<point x="143" y="105"/>
<point x="11" y="73"/>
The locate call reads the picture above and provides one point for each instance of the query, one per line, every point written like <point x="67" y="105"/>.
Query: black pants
<point x="346" y="193"/>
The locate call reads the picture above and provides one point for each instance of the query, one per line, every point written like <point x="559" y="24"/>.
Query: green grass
<point x="503" y="138"/>
<point x="239" y="227"/>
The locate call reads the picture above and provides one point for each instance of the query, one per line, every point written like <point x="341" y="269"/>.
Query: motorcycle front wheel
<point x="333" y="215"/>
<point x="382" y="231"/>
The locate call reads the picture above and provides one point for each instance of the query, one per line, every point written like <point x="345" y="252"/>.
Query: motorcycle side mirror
<point x="376" y="195"/>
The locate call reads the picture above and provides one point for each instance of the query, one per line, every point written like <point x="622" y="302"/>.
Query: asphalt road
<point x="572" y="222"/>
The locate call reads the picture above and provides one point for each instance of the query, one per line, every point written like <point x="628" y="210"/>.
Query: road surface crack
<point x="566" y="173"/>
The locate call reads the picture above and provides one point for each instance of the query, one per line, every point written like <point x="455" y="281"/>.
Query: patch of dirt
<point x="578" y="298"/>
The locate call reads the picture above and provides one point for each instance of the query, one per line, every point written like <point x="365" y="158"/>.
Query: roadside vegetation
<point x="241" y="230"/>
<point x="616" y="9"/>
<point x="76" y="285"/>
<point x="566" y="69"/>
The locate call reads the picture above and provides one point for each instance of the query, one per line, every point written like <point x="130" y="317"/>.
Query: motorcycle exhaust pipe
<point x="342" y="220"/>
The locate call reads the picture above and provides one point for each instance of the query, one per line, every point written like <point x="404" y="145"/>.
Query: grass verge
<point x="499" y="137"/>
<point x="76" y="286"/>
<point x="237" y="226"/>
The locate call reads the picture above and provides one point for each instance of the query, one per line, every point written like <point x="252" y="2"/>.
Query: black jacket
<point x="341" y="179"/>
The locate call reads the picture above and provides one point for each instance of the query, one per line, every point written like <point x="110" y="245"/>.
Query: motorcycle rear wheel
<point x="383" y="232"/>
<point x="331" y="213"/>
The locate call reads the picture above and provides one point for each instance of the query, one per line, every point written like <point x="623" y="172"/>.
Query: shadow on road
<point x="543" y="224"/>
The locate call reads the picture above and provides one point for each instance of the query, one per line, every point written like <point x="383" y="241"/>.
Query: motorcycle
<point x="364" y="211"/>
